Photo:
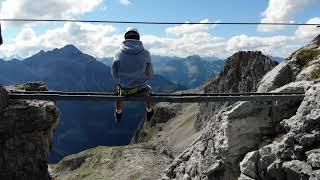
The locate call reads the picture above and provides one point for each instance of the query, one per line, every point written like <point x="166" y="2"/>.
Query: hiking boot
<point x="117" y="116"/>
<point x="149" y="115"/>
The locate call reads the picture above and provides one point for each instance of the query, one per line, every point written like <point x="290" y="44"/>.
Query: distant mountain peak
<point x="241" y="73"/>
<point x="194" y="57"/>
<point x="42" y="52"/>
<point x="70" y="49"/>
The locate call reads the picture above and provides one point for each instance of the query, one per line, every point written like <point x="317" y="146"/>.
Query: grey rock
<point x="285" y="159"/>
<point x="231" y="134"/>
<point x="315" y="175"/>
<point x="267" y="156"/>
<point x="164" y="112"/>
<point x="244" y="177"/>
<point x="275" y="170"/>
<point x="297" y="170"/>
<point x="186" y="177"/>
<point x="305" y="74"/>
<point x="308" y="115"/>
<point x="287" y="71"/>
<point x="241" y="73"/>
<point x="26" y="129"/>
<point x="248" y="166"/>
<point x="309" y="139"/>
<point x="314" y="158"/>
<point x="32" y="86"/>
<point x="277" y="77"/>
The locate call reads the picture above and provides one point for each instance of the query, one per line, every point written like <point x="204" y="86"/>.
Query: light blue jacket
<point x="131" y="65"/>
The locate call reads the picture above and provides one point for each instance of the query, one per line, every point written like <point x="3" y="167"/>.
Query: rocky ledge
<point x="140" y="161"/>
<point x="26" y="130"/>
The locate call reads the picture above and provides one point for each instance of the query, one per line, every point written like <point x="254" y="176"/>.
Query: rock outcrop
<point x="26" y="130"/>
<point x="242" y="73"/>
<point x="295" y="154"/>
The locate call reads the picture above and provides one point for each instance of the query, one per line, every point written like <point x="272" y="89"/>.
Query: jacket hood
<point x="131" y="46"/>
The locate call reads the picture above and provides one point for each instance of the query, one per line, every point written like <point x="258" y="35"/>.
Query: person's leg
<point x="119" y="106"/>
<point x="118" y="110"/>
<point x="149" y="104"/>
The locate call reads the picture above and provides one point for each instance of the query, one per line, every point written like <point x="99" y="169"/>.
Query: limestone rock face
<point x="228" y="136"/>
<point x="295" y="153"/>
<point x="303" y="64"/>
<point x="26" y="129"/>
<point x="242" y="73"/>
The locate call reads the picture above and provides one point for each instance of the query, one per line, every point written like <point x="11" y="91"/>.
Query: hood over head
<point x="131" y="46"/>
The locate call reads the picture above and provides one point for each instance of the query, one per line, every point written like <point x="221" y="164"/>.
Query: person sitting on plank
<point x="132" y="68"/>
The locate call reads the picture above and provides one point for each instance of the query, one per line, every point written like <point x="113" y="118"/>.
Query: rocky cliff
<point x="293" y="154"/>
<point x="26" y="130"/>
<point x="241" y="73"/>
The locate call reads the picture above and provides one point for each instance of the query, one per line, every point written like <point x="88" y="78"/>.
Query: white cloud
<point x="125" y="2"/>
<point x="201" y="43"/>
<point x="89" y="38"/>
<point x="274" y="45"/>
<point x="102" y="41"/>
<point x="46" y="8"/>
<point x="190" y="28"/>
<point x="309" y="32"/>
<point x="281" y="11"/>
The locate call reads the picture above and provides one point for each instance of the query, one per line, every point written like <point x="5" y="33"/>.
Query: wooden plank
<point x="173" y="99"/>
<point x="156" y="94"/>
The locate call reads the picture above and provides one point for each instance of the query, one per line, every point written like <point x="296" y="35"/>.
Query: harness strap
<point x="126" y="92"/>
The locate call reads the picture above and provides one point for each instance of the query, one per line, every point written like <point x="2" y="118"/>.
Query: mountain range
<point x="192" y="71"/>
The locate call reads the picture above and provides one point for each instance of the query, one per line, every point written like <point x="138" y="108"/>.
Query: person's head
<point x="132" y="33"/>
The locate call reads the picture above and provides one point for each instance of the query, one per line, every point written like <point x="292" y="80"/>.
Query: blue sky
<point x="102" y="40"/>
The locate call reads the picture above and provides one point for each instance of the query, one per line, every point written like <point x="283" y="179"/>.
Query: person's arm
<point x="115" y="67"/>
<point x="149" y="67"/>
<point x="1" y="41"/>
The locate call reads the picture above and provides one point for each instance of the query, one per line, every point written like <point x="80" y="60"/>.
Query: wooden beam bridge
<point x="158" y="97"/>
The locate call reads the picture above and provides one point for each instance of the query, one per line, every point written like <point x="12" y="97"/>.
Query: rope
<point x="158" y="23"/>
